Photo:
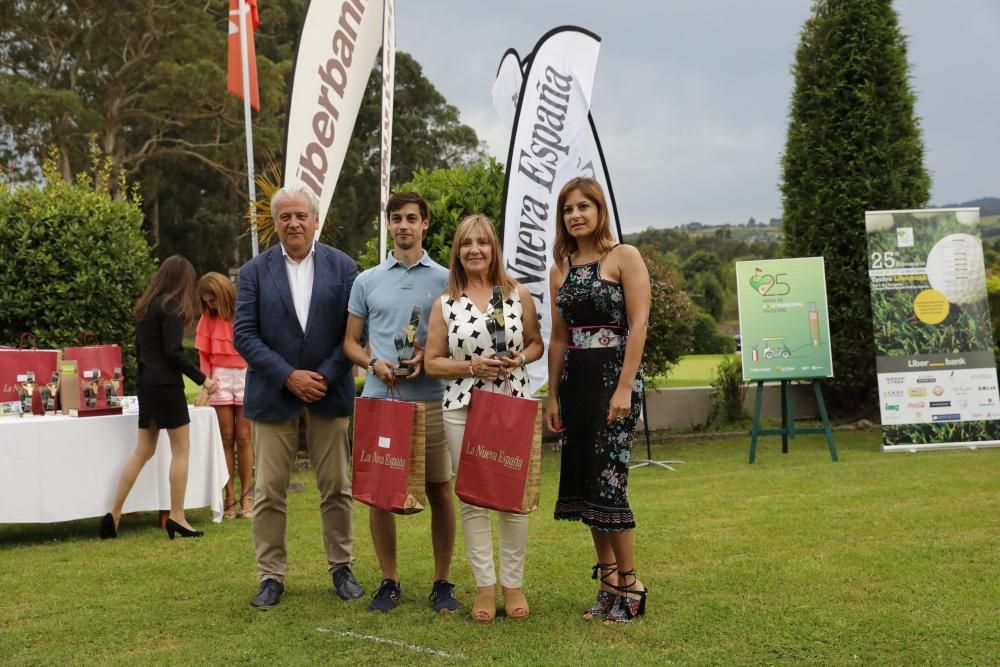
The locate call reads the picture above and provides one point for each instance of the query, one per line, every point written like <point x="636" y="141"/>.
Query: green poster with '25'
<point x="784" y="329"/>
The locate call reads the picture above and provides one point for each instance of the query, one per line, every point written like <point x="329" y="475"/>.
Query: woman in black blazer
<point x="161" y="314"/>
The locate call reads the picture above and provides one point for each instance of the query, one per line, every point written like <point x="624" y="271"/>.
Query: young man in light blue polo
<point x="380" y="306"/>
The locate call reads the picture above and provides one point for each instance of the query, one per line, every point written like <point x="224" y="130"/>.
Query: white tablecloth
<point x="57" y="468"/>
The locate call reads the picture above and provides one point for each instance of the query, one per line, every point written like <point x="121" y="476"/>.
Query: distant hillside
<point x="987" y="205"/>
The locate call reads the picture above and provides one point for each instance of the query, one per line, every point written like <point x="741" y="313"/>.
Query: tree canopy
<point x="146" y="79"/>
<point x="853" y="145"/>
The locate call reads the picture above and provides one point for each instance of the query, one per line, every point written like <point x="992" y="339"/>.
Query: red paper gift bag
<point x="500" y="463"/>
<point x="388" y="459"/>
<point x="19" y="361"/>
<point x="106" y="358"/>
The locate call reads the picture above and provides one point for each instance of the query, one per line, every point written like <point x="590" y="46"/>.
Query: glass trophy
<point x="91" y="388"/>
<point x="495" y="324"/>
<point x="404" y="341"/>
<point x="111" y="397"/>
<point x="49" y="398"/>
<point x="25" y="390"/>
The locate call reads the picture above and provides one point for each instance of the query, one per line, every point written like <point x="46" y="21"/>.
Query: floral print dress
<point x="593" y="481"/>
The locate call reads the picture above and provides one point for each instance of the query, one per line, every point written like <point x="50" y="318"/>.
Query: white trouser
<point x="476" y="527"/>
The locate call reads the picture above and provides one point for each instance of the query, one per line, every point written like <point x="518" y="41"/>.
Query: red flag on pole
<point x="235" y="70"/>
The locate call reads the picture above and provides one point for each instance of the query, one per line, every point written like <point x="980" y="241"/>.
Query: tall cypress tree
<point x="854" y="144"/>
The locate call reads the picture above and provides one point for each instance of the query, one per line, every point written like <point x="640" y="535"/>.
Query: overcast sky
<point x="691" y="98"/>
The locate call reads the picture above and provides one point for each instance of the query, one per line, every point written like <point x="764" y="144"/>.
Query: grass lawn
<point x="693" y="370"/>
<point x="880" y="559"/>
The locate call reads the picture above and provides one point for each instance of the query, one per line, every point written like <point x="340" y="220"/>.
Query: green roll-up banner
<point x="937" y="378"/>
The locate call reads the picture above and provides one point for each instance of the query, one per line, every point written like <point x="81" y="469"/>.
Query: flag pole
<point x="251" y="185"/>
<point x="388" y="83"/>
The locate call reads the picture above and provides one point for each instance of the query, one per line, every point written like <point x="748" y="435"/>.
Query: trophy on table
<point x="26" y="390"/>
<point x="50" y="392"/>
<point x="111" y="397"/>
<point x="405" y="340"/>
<point x="495" y="324"/>
<point x="91" y="388"/>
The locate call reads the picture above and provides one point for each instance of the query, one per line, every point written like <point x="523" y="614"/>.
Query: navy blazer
<point x="268" y="335"/>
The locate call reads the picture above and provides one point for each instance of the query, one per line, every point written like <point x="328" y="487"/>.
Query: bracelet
<point x="523" y="360"/>
<point x="472" y="373"/>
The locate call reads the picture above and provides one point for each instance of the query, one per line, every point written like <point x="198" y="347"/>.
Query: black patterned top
<point x="469" y="337"/>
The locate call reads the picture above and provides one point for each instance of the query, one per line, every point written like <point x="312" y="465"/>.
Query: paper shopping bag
<point x="501" y="458"/>
<point x="91" y="356"/>
<point x="21" y="367"/>
<point x="388" y="459"/>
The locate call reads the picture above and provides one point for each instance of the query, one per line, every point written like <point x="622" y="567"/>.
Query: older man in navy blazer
<point x="291" y="316"/>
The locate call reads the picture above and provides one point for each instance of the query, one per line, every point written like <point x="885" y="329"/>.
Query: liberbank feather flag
<point x="336" y="51"/>
<point x="554" y="139"/>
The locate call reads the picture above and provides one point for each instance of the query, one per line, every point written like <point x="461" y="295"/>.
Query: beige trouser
<point x="476" y="524"/>
<point x="275" y="445"/>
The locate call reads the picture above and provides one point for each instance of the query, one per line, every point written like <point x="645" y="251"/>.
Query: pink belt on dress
<point x="586" y="338"/>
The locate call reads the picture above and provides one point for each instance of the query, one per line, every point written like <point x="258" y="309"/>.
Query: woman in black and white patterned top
<point x="460" y="349"/>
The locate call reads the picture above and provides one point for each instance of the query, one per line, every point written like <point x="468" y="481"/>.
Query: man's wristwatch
<point x="371" y="365"/>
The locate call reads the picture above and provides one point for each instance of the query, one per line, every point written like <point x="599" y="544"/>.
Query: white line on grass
<point x="381" y="640"/>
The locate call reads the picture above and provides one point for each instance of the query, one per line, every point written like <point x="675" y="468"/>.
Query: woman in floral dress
<point x="600" y="297"/>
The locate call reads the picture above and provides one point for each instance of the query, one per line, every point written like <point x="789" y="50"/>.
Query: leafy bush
<point x="728" y="392"/>
<point x="72" y="258"/>
<point x="671" y="317"/>
<point x="451" y="194"/>
<point x="707" y="339"/>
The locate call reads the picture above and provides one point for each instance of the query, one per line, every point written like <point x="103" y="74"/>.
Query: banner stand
<point x="649" y="460"/>
<point x="788" y="429"/>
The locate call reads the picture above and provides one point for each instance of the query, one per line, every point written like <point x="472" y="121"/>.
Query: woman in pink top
<point x="221" y="362"/>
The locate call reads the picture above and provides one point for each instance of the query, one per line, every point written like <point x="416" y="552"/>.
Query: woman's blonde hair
<point x="222" y="289"/>
<point x="565" y="244"/>
<point x="496" y="275"/>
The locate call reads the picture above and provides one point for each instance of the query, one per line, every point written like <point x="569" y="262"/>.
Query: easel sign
<point x="785" y="336"/>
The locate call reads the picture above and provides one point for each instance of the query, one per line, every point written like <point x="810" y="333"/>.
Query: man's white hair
<point x="290" y="191"/>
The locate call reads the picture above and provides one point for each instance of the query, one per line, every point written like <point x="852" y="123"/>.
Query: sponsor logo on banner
<point x="924" y="379"/>
<point x="940" y="404"/>
<point x="894" y="379"/>
<point x="916" y="392"/>
<point x="938" y="390"/>
<point x="892" y="407"/>
<point x="950" y="417"/>
<point x="916" y="405"/>
<point x="894" y="393"/>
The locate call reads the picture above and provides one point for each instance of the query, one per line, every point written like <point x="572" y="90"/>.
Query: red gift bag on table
<point x="91" y="355"/>
<point x="388" y="460"/>
<point x="17" y="361"/>
<point x="501" y="459"/>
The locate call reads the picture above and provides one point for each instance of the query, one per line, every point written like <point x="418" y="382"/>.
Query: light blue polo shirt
<point x="384" y="296"/>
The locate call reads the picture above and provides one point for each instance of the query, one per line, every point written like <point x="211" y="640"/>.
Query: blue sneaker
<point x="386" y="597"/>
<point x="443" y="597"/>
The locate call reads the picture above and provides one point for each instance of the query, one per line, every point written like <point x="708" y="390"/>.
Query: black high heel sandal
<point x="627" y="608"/>
<point x="605" y="601"/>
<point x="108" y="530"/>
<point x="174" y="527"/>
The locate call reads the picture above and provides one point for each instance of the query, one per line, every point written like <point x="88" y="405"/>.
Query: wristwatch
<point x="371" y="365"/>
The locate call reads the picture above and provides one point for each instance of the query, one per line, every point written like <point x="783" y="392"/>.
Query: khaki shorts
<point x="437" y="455"/>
